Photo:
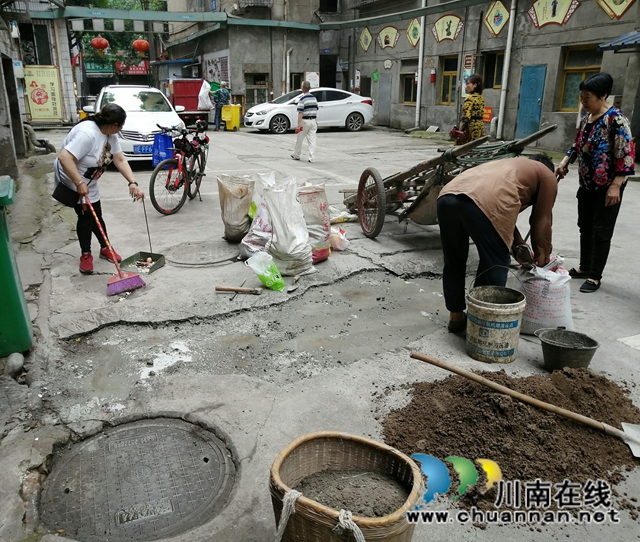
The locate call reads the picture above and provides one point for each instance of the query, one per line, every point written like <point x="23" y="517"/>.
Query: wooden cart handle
<point x="517" y="395"/>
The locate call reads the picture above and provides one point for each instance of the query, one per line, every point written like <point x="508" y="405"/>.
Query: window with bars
<point x="579" y="63"/>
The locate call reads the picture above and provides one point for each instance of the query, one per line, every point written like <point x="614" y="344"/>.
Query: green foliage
<point x="118" y="41"/>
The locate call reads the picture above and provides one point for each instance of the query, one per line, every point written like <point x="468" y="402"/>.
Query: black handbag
<point x="65" y="195"/>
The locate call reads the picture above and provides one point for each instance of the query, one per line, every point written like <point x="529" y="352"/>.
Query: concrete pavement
<point x="259" y="415"/>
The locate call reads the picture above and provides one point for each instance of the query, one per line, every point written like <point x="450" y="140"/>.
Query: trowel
<point x="630" y="433"/>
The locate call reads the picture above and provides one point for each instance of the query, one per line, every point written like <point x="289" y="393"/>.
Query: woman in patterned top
<point x="606" y="156"/>
<point x="472" y="109"/>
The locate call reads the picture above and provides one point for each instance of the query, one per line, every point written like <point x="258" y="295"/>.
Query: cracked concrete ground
<point x="263" y="370"/>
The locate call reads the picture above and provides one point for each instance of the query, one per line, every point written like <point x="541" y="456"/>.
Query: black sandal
<point x="574" y="274"/>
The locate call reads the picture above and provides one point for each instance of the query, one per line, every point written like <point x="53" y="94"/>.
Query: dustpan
<point x="144" y="262"/>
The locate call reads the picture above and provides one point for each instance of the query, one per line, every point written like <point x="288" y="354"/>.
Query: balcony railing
<point x="255" y="3"/>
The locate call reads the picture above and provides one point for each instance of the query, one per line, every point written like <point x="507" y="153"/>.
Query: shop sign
<point x="141" y="68"/>
<point x="42" y="87"/>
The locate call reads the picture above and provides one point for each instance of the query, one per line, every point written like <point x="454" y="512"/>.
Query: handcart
<point x="412" y="194"/>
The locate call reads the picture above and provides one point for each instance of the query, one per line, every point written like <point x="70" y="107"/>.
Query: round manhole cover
<point x="140" y="481"/>
<point x="208" y="253"/>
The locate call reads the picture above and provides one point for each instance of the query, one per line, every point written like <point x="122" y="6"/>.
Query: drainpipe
<point x="420" y="68"/>
<point x="505" y="69"/>
<point x="288" y="86"/>
<point x="284" y="64"/>
<point x="285" y="82"/>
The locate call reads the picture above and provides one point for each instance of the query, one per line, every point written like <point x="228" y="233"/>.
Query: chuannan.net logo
<point x="438" y="480"/>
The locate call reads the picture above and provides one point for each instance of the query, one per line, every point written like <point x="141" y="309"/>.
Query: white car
<point x="146" y="107"/>
<point x="335" y="108"/>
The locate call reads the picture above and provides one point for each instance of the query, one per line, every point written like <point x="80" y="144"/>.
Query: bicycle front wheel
<point x="168" y="187"/>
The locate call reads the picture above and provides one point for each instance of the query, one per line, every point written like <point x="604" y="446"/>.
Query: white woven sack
<point x="548" y="296"/>
<point x="289" y="244"/>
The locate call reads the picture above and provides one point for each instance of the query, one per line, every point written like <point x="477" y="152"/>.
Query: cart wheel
<point x="371" y="202"/>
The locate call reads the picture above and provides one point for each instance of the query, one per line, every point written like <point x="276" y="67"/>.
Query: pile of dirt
<point x="458" y="417"/>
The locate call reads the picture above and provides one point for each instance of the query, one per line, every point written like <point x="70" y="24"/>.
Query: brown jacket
<point x="504" y="188"/>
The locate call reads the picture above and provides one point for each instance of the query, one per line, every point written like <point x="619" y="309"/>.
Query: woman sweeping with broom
<point x="88" y="149"/>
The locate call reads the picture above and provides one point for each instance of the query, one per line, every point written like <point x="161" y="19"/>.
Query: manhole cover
<point x="208" y="253"/>
<point x="140" y="481"/>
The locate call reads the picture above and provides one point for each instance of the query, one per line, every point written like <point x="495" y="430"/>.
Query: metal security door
<point x="530" y="105"/>
<point x="384" y="100"/>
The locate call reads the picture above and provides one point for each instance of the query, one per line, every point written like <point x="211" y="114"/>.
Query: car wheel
<point x="279" y="124"/>
<point x="355" y="122"/>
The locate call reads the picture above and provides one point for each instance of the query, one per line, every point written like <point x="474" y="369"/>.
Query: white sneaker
<point x="311" y="160"/>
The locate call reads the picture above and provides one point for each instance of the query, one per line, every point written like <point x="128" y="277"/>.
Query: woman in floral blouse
<point x="472" y="109"/>
<point x="606" y="156"/>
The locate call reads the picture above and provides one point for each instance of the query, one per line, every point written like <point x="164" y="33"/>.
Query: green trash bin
<point x="16" y="333"/>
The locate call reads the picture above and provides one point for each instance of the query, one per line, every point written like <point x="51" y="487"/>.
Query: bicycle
<point x="181" y="175"/>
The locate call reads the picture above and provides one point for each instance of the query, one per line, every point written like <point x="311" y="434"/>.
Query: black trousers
<point x="460" y="219"/>
<point x="86" y="225"/>
<point x="596" y="223"/>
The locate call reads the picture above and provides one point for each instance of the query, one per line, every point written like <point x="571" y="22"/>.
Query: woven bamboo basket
<point x="328" y="450"/>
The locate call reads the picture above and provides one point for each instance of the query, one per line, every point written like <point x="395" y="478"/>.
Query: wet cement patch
<point x="325" y="328"/>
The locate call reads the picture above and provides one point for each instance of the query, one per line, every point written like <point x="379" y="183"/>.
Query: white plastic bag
<point x="289" y="244"/>
<point x="204" y="102"/>
<point x="548" y="293"/>
<point x="337" y="216"/>
<point x="235" y="199"/>
<point x="315" y="208"/>
<point x="339" y="239"/>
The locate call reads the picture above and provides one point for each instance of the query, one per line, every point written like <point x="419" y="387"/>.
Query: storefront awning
<point x="626" y="43"/>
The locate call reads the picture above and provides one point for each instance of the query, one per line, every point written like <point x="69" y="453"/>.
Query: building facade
<point x="411" y="56"/>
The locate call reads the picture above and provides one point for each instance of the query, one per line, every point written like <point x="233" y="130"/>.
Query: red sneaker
<point x="105" y="254"/>
<point x="86" y="263"/>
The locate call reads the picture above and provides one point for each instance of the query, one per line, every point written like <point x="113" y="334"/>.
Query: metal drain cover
<point x="208" y="253"/>
<point x="140" y="481"/>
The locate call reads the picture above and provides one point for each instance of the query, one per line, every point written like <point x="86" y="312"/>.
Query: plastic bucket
<point x="494" y="314"/>
<point x="563" y="348"/>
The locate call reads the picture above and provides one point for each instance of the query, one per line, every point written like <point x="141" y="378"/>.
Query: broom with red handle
<point x="123" y="281"/>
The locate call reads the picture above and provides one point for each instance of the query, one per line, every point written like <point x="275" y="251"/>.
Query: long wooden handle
<point x="104" y="236"/>
<point x="236" y="289"/>
<point x="515" y="394"/>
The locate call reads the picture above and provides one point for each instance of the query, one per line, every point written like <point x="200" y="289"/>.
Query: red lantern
<point x="99" y="44"/>
<point x="141" y="46"/>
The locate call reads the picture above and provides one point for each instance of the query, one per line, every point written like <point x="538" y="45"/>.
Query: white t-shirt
<point x="92" y="149"/>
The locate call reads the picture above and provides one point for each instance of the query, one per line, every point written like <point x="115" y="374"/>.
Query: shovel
<point x="629" y="435"/>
